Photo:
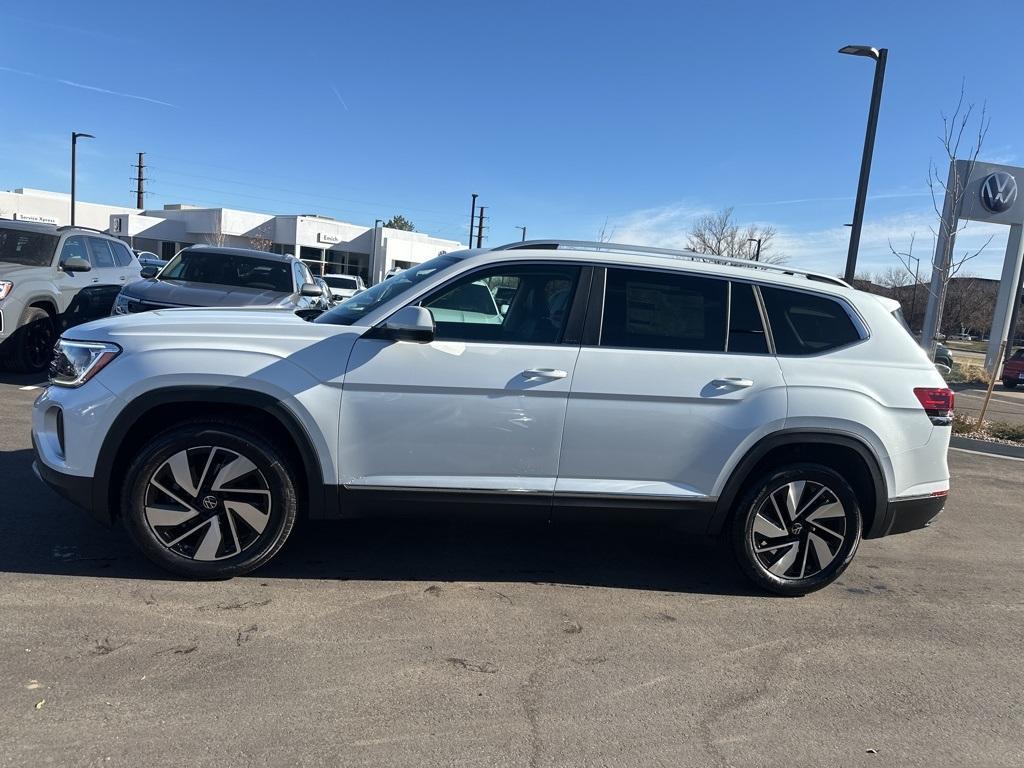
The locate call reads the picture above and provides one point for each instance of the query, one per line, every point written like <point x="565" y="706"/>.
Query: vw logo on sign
<point x="999" y="192"/>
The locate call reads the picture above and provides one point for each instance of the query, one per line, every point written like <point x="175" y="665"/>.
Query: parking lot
<point x="507" y="645"/>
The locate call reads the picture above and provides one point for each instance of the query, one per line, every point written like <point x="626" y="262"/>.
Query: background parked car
<point x="44" y="287"/>
<point x="150" y="259"/>
<point x="344" y="286"/>
<point x="1013" y="370"/>
<point x="207" y="276"/>
<point x="943" y="355"/>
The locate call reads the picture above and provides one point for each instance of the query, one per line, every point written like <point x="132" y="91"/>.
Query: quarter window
<point x="805" y="324"/>
<point x="512" y="304"/>
<point x="660" y="310"/>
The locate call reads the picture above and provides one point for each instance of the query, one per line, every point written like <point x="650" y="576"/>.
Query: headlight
<point x="5" y="289"/>
<point x="75" y="362"/>
<point x="121" y="304"/>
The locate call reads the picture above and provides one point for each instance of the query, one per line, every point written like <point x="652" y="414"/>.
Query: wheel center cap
<point x="797" y="527"/>
<point x="210" y="502"/>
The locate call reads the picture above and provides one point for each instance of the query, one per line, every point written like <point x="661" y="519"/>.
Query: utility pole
<point x="140" y="182"/>
<point x="480" y="229"/>
<point x="472" y="215"/>
<point x="524" y="233"/>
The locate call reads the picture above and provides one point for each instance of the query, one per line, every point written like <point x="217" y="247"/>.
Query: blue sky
<point x="560" y="115"/>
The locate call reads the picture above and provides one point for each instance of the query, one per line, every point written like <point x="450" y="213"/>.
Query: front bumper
<point x="75" y="488"/>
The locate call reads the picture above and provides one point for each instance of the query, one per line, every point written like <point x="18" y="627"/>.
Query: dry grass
<point x="967" y="426"/>
<point x="968" y="373"/>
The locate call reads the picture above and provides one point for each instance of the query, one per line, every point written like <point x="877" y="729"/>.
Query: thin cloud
<point x="83" y="86"/>
<point x="843" y="198"/>
<point x="336" y="93"/>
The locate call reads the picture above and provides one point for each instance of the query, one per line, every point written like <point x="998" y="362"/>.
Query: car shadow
<point x="44" y="534"/>
<point x="23" y="379"/>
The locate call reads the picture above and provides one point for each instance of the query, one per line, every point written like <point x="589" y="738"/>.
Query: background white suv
<point x="52" y="278"/>
<point x="781" y="409"/>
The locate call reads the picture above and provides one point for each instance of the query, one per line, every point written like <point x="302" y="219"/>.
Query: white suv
<point x="52" y="278"/>
<point x="781" y="409"/>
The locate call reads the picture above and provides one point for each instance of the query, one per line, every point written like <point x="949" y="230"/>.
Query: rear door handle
<point x="733" y="382"/>
<point x="544" y="373"/>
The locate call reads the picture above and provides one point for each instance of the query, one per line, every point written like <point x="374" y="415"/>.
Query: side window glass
<point x="122" y="256"/>
<point x="663" y="310"/>
<point x="512" y="304"/>
<point x="101" y="256"/>
<point x="74" y="246"/>
<point x="746" y="331"/>
<point x="805" y="324"/>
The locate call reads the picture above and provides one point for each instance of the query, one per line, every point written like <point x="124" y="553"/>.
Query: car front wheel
<point x="796" y="529"/>
<point x="209" y="500"/>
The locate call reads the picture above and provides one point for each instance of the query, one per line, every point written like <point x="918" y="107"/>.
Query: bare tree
<point x="260" y="238"/>
<point x="605" y="235"/>
<point x="719" y="235"/>
<point x="956" y="130"/>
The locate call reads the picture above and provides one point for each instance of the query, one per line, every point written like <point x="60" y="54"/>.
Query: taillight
<point x="937" y="403"/>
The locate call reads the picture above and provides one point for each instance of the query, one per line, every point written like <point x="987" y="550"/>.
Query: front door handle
<point x="544" y="373"/>
<point x="733" y="382"/>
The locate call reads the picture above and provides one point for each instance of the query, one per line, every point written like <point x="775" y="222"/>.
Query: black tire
<point x="147" y="503"/>
<point x="781" y="549"/>
<point x="1009" y="383"/>
<point x="30" y="347"/>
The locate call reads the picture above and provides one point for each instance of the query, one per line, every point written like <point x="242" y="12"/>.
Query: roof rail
<point x="587" y="245"/>
<point x="77" y="226"/>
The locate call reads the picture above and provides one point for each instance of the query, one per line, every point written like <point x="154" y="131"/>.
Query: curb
<point x="984" y="446"/>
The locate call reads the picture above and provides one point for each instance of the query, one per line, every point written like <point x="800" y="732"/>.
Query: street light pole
<point x="74" y="141"/>
<point x="757" y="251"/>
<point x="523" y="239"/>
<point x="376" y="237"/>
<point x="879" y="55"/>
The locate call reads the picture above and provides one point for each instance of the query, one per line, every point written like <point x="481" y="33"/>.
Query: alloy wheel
<point x="207" y="503"/>
<point x="798" y="530"/>
<point x="39" y="340"/>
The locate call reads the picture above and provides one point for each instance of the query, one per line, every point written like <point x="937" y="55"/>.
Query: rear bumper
<point x="911" y="514"/>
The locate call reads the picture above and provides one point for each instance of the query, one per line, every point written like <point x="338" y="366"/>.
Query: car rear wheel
<point x="209" y="500"/>
<point x="796" y="529"/>
<point x="30" y="348"/>
<point x="1009" y="383"/>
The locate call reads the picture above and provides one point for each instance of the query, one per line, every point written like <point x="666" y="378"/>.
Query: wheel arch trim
<point x="742" y="471"/>
<point x="137" y="408"/>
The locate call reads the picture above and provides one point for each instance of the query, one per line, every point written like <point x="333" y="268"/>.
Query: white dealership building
<point x="327" y="245"/>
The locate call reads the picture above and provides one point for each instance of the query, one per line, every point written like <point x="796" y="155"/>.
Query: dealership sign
<point x="36" y="219"/>
<point x="323" y="237"/>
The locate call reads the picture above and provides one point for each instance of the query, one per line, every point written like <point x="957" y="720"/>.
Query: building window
<point x="167" y="251"/>
<point x="348" y="263"/>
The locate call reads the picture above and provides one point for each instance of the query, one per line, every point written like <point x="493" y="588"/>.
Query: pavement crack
<point x="484" y="667"/>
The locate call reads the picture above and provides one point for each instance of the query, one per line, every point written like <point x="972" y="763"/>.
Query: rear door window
<point x="746" y="330"/>
<point x="647" y="309"/>
<point x="122" y="256"/>
<point x="100" y="255"/>
<point x="806" y="323"/>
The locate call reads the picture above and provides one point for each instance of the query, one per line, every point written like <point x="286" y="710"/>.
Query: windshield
<point x="29" y="249"/>
<point x="351" y="310"/>
<point x="229" y="269"/>
<point x="337" y="281"/>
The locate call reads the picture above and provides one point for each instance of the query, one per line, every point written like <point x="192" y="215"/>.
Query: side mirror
<point x="312" y="290"/>
<point x="148" y="273"/>
<point x="75" y="264"/>
<point x="410" y="324"/>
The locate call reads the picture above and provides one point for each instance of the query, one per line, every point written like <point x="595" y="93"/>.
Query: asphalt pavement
<point x="484" y="644"/>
